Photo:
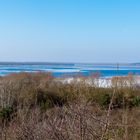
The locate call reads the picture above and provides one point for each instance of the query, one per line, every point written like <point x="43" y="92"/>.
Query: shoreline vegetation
<point x="37" y="106"/>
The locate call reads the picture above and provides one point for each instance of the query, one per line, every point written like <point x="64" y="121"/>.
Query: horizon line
<point x="50" y="62"/>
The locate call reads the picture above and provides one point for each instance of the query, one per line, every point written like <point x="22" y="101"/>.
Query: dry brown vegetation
<point x="38" y="107"/>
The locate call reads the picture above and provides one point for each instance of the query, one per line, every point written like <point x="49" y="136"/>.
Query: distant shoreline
<point x="69" y="63"/>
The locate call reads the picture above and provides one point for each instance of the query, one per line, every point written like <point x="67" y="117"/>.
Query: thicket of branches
<point x="39" y="107"/>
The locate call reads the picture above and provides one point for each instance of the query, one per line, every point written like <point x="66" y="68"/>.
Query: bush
<point x="5" y="113"/>
<point x="46" y="105"/>
<point x="102" y="99"/>
<point x="134" y="102"/>
<point x="48" y="100"/>
<point x="118" y="101"/>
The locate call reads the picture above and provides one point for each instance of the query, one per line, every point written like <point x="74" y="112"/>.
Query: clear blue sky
<point x="70" y="30"/>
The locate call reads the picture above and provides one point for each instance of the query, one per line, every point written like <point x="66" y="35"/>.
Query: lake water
<point x="71" y="69"/>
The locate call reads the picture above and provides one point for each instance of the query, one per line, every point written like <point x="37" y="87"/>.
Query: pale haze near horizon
<point x="70" y="31"/>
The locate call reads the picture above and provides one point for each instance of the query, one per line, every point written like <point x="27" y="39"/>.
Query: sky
<point x="70" y="31"/>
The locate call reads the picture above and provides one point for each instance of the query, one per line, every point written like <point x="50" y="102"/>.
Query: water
<point x="71" y="69"/>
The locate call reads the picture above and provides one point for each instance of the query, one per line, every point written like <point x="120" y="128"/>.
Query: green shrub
<point x="103" y="100"/>
<point x="48" y="100"/>
<point x="118" y="101"/>
<point x="135" y="101"/>
<point x="46" y="105"/>
<point x="5" y="113"/>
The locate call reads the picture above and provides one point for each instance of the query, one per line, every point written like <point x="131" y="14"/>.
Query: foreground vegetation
<point x="39" y="107"/>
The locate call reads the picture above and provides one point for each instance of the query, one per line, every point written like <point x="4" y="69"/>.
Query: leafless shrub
<point x="80" y="117"/>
